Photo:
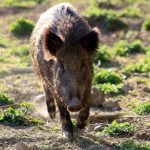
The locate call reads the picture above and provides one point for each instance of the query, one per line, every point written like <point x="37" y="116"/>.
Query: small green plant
<point x="109" y="18"/>
<point x="113" y="23"/>
<point x="102" y="54"/>
<point x="22" y="27"/>
<point x="5" y="99"/>
<point x="27" y="107"/>
<point x="133" y="68"/>
<point x="123" y="48"/>
<point x="116" y="129"/>
<point x="111" y="88"/>
<point x="107" y="76"/>
<point x="20" y="51"/>
<point x="19" y="116"/>
<point x="146" y="25"/>
<point x="130" y="12"/>
<point x="12" y="116"/>
<point x="143" y="109"/>
<point x="108" y="81"/>
<point x="137" y="68"/>
<point x="134" y="145"/>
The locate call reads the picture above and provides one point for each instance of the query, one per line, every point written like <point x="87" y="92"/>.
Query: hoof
<point x="68" y="135"/>
<point x="81" y="126"/>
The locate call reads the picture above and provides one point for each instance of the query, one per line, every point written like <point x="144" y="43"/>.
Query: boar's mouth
<point x="74" y="108"/>
<point x="74" y="105"/>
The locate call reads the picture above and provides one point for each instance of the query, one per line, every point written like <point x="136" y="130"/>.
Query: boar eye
<point x="62" y="66"/>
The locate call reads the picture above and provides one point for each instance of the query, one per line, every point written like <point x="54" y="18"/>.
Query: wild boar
<point x="62" y="48"/>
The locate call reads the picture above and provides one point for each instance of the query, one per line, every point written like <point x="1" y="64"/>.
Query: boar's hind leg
<point x="50" y="103"/>
<point x="67" y="127"/>
<point x="83" y="117"/>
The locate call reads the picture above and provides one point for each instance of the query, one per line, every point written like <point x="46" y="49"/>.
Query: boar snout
<point x="74" y="105"/>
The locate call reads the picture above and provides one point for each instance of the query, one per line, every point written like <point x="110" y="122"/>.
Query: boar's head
<point x="72" y="67"/>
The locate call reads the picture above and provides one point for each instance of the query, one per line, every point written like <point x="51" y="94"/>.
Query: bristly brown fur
<point x="50" y="43"/>
<point x="60" y="47"/>
<point x="91" y="41"/>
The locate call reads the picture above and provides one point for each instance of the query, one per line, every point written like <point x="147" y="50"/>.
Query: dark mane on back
<point x="69" y="24"/>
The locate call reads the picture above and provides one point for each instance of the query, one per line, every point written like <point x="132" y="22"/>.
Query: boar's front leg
<point x="85" y="111"/>
<point x="67" y="127"/>
<point x="50" y="102"/>
<point x="83" y="116"/>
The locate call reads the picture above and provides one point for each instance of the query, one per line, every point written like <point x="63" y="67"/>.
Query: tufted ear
<point x="51" y="43"/>
<point x="90" y="41"/>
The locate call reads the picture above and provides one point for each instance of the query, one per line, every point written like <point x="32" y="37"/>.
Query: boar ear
<point x="91" y="40"/>
<point x="51" y="43"/>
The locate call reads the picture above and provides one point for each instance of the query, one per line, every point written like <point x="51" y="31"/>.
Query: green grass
<point x="124" y="48"/>
<point x="102" y="54"/>
<point x="21" y="26"/>
<point x="116" y="129"/>
<point x="113" y="23"/>
<point x="108" y="81"/>
<point x="108" y="88"/>
<point x="5" y="99"/>
<point x="137" y="68"/>
<point x="2" y="43"/>
<point x="147" y="49"/>
<point x="133" y="68"/>
<point x="101" y="13"/>
<point x="2" y="59"/>
<point x="131" y="33"/>
<point x="134" y="145"/>
<point x="20" y="51"/>
<point x="121" y="2"/>
<point x="24" y="3"/>
<point x="143" y="109"/>
<point x="131" y="2"/>
<point x="132" y="11"/>
<point x="27" y="107"/>
<point x="23" y="53"/>
<point x="109" y="18"/>
<point x="21" y="115"/>
<point x="3" y="88"/>
<point x="26" y="60"/>
<point x="146" y="25"/>
<point x="107" y="76"/>
<point x="12" y="116"/>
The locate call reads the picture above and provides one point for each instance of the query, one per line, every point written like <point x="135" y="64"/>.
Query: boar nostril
<point x="74" y="108"/>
